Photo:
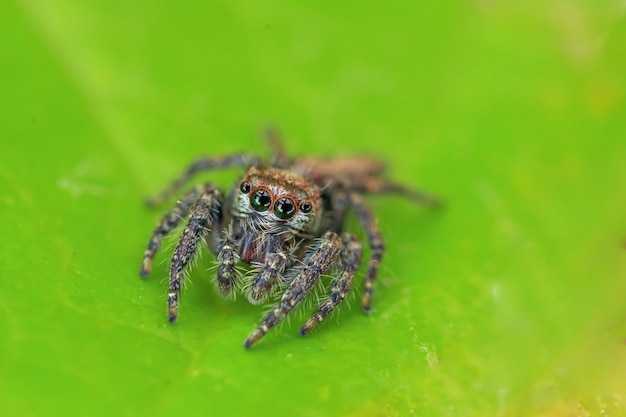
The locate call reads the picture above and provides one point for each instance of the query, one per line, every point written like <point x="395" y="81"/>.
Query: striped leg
<point x="205" y="213"/>
<point x="168" y="223"/>
<point x="376" y="244"/>
<point x="350" y="260"/>
<point x="316" y="262"/>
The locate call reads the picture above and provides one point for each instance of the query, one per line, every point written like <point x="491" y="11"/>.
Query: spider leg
<point x="275" y="140"/>
<point x="350" y="260"/>
<point x="205" y="213"/>
<point x="375" y="242"/>
<point x="167" y="224"/>
<point x="275" y="264"/>
<point x="307" y="274"/>
<point x="228" y="257"/>
<point x="381" y="186"/>
<point x="203" y="164"/>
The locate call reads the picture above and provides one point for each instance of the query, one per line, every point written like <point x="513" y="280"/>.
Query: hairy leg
<point x="203" y="164"/>
<point x="317" y="260"/>
<point x="168" y="223"/>
<point x="350" y="260"/>
<point x="203" y="216"/>
<point x="376" y="244"/>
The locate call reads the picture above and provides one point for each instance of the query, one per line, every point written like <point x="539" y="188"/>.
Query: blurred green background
<point x="510" y="302"/>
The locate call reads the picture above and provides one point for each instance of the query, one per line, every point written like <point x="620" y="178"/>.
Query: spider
<point x="284" y="218"/>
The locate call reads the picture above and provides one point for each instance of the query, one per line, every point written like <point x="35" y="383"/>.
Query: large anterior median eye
<point x="260" y="200"/>
<point x="284" y="208"/>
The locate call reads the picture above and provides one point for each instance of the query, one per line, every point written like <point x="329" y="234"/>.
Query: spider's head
<point x="274" y="198"/>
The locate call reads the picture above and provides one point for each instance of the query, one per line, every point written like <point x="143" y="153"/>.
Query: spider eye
<point x="284" y="208"/>
<point x="305" y="206"/>
<point x="260" y="200"/>
<point x="244" y="187"/>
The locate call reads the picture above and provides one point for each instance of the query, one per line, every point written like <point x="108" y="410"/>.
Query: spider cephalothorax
<point x="278" y="201"/>
<point x="285" y="220"/>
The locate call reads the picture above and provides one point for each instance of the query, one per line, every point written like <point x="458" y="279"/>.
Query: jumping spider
<point x="285" y="220"/>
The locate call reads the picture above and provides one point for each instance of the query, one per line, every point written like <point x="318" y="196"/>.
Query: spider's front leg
<point x="350" y="261"/>
<point x="168" y="223"/>
<point x="305" y="276"/>
<point x="206" y="212"/>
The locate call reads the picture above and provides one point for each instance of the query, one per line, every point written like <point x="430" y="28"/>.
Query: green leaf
<point x="508" y="302"/>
